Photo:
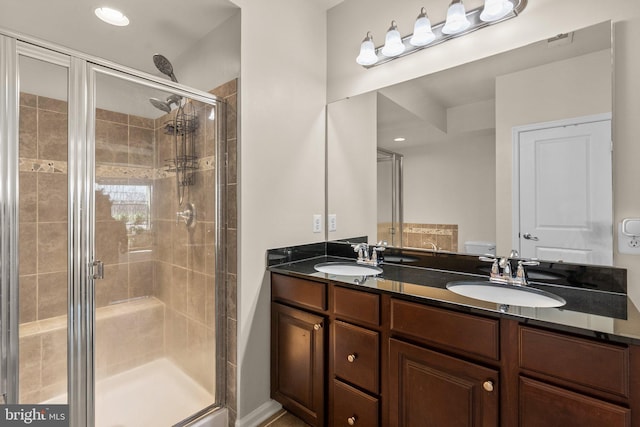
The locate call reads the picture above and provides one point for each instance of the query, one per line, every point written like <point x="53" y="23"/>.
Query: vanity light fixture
<point x="393" y="45"/>
<point x="495" y="9"/>
<point x="112" y="16"/>
<point x="367" y="55"/>
<point x="458" y="23"/>
<point x="422" y="32"/>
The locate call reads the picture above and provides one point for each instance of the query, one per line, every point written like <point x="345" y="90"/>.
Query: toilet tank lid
<point x="479" y="243"/>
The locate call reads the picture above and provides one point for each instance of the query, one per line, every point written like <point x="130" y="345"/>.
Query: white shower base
<point x="155" y="394"/>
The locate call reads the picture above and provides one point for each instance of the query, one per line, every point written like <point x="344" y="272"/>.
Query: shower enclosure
<point x="390" y="198"/>
<point x="112" y="281"/>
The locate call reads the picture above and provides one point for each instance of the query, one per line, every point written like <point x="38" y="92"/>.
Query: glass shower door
<point x="155" y="192"/>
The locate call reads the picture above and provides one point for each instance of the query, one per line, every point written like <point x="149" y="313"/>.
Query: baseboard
<point x="260" y="414"/>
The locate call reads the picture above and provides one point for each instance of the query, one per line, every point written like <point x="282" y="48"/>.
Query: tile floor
<point x="284" y="419"/>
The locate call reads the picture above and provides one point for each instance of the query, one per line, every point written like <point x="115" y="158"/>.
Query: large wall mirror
<point x="509" y="152"/>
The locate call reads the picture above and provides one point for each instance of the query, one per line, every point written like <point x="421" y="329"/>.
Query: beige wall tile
<point x="50" y="104"/>
<point x="52" y="135"/>
<point x="179" y="290"/>
<point x="112" y="242"/>
<point x="28" y="294"/>
<point x="52" y="197"/>
<point x="112" y="143"/>
<point x="141" y="278"/>
<point x="198" y="285"/>
<point x="28" y="100"/>
<point x="142" y="122"/>
<point x="52" y="295"/>
<point x="28" y="247"/>
<point x="28" y="133"/>
<point x="111" y="116"/>
<point x="141" y="146"/>
<point x="52" y="247"/>
<point x="28" y="196"/>
<point x="164" y="280"/>
<point x="114" y="287"/>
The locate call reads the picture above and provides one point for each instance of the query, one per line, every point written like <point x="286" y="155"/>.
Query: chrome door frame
<point x="9" y="318"/>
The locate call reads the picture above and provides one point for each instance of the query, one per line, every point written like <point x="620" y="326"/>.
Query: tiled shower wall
<point x="175" y="264"/>
<point x="423" y="236"/>
<point x="229" y="92"/>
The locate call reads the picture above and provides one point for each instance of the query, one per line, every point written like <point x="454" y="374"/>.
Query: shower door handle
<point x="97" y="268"/>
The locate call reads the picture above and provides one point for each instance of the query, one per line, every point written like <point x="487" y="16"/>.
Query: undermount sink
<point x="347" y="269"/>
<point x="506" y="294"/>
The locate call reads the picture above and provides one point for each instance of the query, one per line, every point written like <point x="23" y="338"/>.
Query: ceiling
<point x="168" y="27"/>
<point x="470" y="83"/>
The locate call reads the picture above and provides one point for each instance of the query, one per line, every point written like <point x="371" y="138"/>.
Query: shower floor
<point x="155" y="394"/>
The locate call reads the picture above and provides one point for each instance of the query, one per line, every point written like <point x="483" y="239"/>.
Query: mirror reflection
<point x="509" y="152"/>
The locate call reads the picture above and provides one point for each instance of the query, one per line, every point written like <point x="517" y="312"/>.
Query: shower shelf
<point x="180" y="127"/>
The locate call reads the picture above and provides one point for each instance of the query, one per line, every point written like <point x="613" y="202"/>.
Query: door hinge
<point x="97" y="268"/>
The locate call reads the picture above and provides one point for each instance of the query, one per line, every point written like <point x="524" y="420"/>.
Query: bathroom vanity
<point x="377" y="352"/>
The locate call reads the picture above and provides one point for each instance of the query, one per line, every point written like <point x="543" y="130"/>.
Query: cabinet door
<point x="429" y="389"/>
<point x="297" y="362"/>
<point x="543" y="405"/>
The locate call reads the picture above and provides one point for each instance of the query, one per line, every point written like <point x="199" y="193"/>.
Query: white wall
<point x="556" y="91"/>
<point x="349" y="21"/>
<point x="351" y="156"/>
<point x="281" y="161"/>
<point x="453" y="183"/>
<point x="214" y="60"/>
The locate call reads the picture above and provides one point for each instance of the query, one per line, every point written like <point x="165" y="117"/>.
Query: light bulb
<point x="367" y="54"/>
<point x="393" y="45"/>
<point x="422" y="33"/>
<point x="457" y="20"/>
<point x="495" y="9"/>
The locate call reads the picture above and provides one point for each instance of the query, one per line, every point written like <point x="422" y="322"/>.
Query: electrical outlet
<point x="317" y="223"/>
<point x="628" y="244"/>
<point x="332" y="222"/>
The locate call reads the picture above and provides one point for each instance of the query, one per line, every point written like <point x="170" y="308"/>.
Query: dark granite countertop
<point x="600" y="314"/>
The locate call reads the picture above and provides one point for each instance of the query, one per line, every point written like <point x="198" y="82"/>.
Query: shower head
<point x="160" y="105"/>
<point x="164" y="66"/>
<point x="165" y="105"/>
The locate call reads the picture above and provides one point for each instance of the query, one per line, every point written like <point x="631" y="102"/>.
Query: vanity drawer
<point x="352" y="407"/>
<point x="300" y="292"/>
<point x="356" y="305"/>
<point x="588" y="363"/>
<point x="356" y="355"/>
<point x="447" y="329"/>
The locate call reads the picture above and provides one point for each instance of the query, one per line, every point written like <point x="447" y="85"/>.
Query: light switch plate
<point x="333" y="224"/>
<point x="317" y="223"/>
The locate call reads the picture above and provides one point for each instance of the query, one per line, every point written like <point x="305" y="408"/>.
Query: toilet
<point x="480" y="248"/>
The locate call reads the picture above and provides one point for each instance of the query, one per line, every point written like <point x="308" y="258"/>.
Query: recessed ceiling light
<point x="112" y="16"/>
<point x="399" y="139"/>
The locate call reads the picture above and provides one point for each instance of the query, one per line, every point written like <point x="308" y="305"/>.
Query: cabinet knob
<point x="488" y="385"/>
<point x="352" y="358"/>
<point x="317" y="326"/>
<point x="352" y="420"/>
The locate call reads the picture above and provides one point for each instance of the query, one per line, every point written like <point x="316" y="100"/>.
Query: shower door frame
<point x="82" y="71"/>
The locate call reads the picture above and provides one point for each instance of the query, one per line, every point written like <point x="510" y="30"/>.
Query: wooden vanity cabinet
<point x="355" y="361"/>
<point x="349" y="357"/>
<point x="428" y="387"/>
<point x="299" y="347"/>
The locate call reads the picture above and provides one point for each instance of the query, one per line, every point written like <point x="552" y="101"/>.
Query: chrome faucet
<point x="501" y="269"/>
<point x="362" y="249"/>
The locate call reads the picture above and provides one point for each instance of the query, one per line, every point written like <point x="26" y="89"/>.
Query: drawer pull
<point x="352" y="420"/>
<point x="352" y="357"/>
<point x="488" y="386"/>
<point x="317" y="326"/>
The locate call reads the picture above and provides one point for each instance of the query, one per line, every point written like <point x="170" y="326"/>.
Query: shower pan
<point x="111" y="302"/>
